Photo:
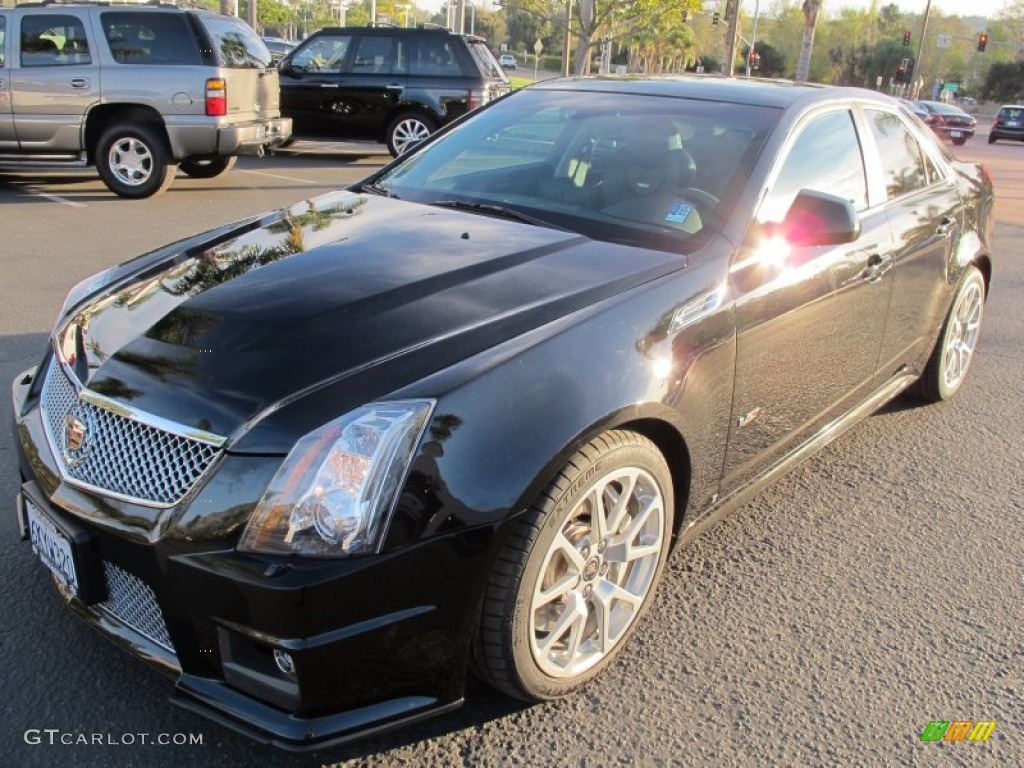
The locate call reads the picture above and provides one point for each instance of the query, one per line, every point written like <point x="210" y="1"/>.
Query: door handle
<point x="945" y="226"/>
<point x="79" y="82"/>
<point x="877" y="266"/>
<point x="329" y="85"/>
<point x="393" y="87"/>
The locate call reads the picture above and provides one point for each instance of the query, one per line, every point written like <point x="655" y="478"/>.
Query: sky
<point x="949" y="7"/>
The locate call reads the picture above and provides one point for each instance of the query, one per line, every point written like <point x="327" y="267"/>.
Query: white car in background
<point x="507" y="61"/>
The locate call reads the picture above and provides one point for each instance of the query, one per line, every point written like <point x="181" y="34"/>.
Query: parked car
<point x="386" y="84"/>
<point x="916" y="109"/>
<point x="1008" y="124"/>
<point x="278" y="47"/>
<point x="138" y="92"/>
<point x="949" y="122"/>
<point x="316" y="462"/>
<point x="508" y="61"/>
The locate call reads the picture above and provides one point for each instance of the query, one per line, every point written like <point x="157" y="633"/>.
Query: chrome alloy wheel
<point x="131" y="161"/>
<point x="408" y="131"/>
<point x="962" y="336"/>
<point x="596" y="575"/>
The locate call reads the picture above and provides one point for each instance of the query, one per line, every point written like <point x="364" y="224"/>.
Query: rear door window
<point x="236" y="45"/>
<point x="48" y="41"/>
<point x="434" y="55"/>
<point x="149" y="38"/>
<point x="903" y="163"/>
<point x="375" y="55"/>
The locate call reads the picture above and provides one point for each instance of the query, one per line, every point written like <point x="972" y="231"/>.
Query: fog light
<point x="284" y="662"/>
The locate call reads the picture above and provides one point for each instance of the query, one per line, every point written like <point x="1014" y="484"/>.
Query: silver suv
<point x="138" y="91"/>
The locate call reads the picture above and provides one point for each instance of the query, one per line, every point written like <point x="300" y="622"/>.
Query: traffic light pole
<point x="732" y="12"/>
<point x="920" y="48"/>
<point x="753" y="34"/>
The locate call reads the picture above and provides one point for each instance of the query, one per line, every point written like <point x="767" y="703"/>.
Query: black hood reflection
<point x="341" y="286"/>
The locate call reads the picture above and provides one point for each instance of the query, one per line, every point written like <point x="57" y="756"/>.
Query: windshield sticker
<point x="679" y="212"/>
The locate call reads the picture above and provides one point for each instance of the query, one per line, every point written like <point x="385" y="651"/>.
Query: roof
<point x="740" y="90"/>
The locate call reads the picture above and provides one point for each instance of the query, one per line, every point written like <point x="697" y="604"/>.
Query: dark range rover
<point x="386" y="83"/>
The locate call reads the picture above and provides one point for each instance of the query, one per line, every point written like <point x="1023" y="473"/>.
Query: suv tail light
<point x="216" y="97"/>
<point x="476" y="98"/>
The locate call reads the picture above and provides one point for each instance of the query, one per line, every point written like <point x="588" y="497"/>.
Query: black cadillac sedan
<point x="320" y="463"/>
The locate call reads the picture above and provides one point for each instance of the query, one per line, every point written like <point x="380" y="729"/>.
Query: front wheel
<point x="208" y="168"/>
<point x="947" y="368"/>
<point x="134" y="161"/>
<point x="577" y="572"/>
<point x="408" y="129"/>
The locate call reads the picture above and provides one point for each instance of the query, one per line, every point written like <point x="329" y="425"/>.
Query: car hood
<point x="222" y="333"/>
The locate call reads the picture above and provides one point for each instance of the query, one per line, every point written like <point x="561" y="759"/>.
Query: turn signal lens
<point x="216" y="97"/>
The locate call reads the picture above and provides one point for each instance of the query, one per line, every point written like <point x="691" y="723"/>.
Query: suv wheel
<point x="133" y="161"/>
<point x="208" y="167"/>
<point x="408" y="128"/>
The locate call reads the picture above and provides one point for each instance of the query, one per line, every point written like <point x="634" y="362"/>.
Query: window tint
<point x="48" y="41"/>
<point x="149" y="38"/>
<point x="323" y="54"/>
<point x="903" y="163"/>
<point x="375" y="54"/>
<point x="825" y="157"/>
<point x="236" y="45"/>
<point x="434" y="56"/>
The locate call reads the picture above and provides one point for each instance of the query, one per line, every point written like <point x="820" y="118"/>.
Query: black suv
<point x="386" y="83"/>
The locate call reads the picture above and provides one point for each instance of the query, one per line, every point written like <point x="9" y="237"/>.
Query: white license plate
<point x="955" y="134"/>
<point x="1013" y="124"/>
<point x="52" y="546"/>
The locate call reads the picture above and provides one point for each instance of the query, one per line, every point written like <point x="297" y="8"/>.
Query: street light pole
<point x="753" y="34"/>
<point x="916" y="69"/>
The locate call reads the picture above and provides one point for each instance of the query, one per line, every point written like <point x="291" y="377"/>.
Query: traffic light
<point x="755" y="60"/>
<point x="906" y="38"/>
<point x="715" y="17"/>
<point x="982" y="42"/>
<point x="901" y="74"/>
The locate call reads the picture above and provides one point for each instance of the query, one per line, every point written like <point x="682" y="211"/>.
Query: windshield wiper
<point x="377" y="189"/>
<point x="489" y="209"/>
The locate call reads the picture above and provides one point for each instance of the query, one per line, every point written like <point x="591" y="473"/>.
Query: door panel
<point x="808" y="331"/>
<point x="371" y="87"/>
<point x="58" y="80"/>
<point x="310" y="78"/>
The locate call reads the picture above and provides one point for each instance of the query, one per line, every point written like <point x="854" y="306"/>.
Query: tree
<point x="1004" y="82"/>
<point x="811" y="9"/>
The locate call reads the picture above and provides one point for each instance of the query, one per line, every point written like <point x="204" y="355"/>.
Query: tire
<point x="208" y="168"/>
<point x="133" y="160"/>
<point x="408" y="128"/>
<point x="959" y="142"/>
<point x="991" y="139"/>
<point x="542" y="634"/>
<point x="951" y="359"/>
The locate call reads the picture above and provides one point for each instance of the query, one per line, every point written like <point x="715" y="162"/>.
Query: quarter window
<point x="48" y="41"/>
<point x="825" y="157"/>
<point x="150" y="38"/>
<point x="903" y="164"/>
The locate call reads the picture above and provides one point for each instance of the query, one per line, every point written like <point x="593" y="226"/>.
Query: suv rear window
<point x="149" y="38"/>
<point x="1008" y="113"/>
<point x="236" y="45"/>
<point x="489" y="65"/>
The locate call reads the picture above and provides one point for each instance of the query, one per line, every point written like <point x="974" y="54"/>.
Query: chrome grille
<point x="124" y="456"/>
<point x="131" y="601"/>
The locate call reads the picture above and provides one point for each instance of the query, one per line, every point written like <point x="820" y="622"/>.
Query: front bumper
<point x="375" y="642"/>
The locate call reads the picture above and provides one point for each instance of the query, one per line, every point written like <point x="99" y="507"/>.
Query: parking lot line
<point x="280" y="176"/>
<point x="55" y="198"/>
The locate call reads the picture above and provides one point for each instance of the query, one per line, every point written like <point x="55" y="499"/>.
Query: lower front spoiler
<point x="218" y="702"/>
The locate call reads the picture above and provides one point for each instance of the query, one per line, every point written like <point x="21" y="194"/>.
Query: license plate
<point x="955" y="134"/>
<point x="52" y="546"/>
<point x="1013" y="124"/>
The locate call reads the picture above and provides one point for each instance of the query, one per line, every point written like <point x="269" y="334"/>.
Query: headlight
<point x="332" y="495"/>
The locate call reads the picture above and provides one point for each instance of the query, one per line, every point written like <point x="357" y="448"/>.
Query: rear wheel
<point x="947" y="368"/>
<point x="579" y="570"/>
<point x="407" y="129"/>
<point x="960" y="142"/>
<point x="208" y="168"/>
<point x="991" y="138"/>
<point x="133" y="160"/>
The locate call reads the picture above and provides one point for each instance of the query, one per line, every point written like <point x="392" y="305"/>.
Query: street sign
<point x="944" y="41"/>
<point x="538" y="47"/>
<point x="950" y="87"/>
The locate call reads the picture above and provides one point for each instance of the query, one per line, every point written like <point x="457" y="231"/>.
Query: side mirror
<point x="818" y="218"/>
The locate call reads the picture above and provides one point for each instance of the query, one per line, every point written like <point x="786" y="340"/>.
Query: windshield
<point x="649" y="171"/>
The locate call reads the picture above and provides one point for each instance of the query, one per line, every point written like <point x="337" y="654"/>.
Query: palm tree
<point x="811" y="9"/>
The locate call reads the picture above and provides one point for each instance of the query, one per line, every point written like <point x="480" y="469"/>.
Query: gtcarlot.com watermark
<point x="56" y="737"/>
